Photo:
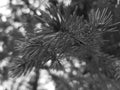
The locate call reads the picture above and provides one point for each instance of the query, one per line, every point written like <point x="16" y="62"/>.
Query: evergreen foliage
<point x="69" y="45"/>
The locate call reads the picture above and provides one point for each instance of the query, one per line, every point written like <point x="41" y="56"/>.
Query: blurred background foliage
<point x="22" y="21"/>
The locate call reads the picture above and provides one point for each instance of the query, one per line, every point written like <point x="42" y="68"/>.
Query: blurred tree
<point x="76" y="44"/>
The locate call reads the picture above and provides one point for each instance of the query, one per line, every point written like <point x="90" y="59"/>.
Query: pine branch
<point x="63" y="33"/>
